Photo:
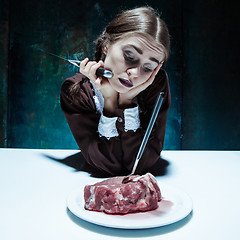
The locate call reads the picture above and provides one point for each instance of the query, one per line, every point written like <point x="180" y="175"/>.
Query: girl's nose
<point x="133" y="72"/>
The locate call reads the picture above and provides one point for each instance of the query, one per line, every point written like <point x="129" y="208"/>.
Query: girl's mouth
<point x="125" y="82"/>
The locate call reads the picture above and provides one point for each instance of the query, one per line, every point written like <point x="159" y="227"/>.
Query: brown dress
<point x="115" y="154"/>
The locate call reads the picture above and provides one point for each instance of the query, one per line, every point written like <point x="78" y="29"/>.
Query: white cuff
<point x="107" y="127"/>
<point x="132" y="121"/>
<point x="98" y="98"/>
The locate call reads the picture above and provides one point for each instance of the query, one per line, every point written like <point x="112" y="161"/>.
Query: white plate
<point x="175" y="206"/>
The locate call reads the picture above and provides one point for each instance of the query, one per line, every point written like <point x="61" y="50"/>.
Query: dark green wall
<point x="4" y="33"/>
<point x="203" y="69"/>
<point x="211" y="78"/>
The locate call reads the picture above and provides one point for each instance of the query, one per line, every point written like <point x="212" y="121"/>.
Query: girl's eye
<point x="129" y="57"/>
<point x="147" y="69"/>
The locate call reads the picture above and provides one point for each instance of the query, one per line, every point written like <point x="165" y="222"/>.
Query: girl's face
<point x="132" y="61"/>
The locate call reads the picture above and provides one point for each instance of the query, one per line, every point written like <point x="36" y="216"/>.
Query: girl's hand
<point x="89" y="68"/>
<point x="125" y="99"/>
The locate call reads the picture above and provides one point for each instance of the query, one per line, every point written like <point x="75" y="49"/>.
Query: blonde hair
<point x="144" y="21"/>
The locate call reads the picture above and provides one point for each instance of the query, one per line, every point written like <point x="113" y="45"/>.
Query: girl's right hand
<point x="89" y="68"/>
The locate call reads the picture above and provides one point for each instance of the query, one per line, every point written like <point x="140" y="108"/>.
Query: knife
<point x="156" y="109"/>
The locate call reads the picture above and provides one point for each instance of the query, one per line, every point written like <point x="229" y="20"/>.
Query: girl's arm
<point x="83" y="119"/>
<point x="131" y="140"/>
<point x="115" y="155"/>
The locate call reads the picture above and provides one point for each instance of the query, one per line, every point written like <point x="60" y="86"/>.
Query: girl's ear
<point x="106" y="45"/>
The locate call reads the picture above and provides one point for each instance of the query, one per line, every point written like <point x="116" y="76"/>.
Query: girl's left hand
<point x="125" y="99"/>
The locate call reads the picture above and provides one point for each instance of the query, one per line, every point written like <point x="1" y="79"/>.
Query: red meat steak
<point x="140" y="193"/>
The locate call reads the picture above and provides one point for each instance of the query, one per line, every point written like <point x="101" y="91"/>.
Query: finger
<point x="88" y="67"/>
<point x="101" y="62"/>
<point x="152" y="77"/>
<point x="83" y="64"/>
<point x="144" y="85"/>
<point x="92" y="72"/>
<point x="156" y="70"/>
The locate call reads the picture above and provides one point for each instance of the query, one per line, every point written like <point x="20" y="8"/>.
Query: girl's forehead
<point x="142" y="43"/>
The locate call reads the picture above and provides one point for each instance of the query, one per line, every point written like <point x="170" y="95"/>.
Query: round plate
<point x="174" y="206"/>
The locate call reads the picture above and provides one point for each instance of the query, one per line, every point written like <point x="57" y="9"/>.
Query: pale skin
<point x="134" y="62"/>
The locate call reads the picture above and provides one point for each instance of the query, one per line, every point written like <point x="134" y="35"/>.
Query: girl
<point x="108" y="117"/>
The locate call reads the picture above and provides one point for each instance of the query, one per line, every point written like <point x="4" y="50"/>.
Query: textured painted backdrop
<point x="203" y="69"/>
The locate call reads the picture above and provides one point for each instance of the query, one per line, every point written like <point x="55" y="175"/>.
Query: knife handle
<point x="101" y="72"/>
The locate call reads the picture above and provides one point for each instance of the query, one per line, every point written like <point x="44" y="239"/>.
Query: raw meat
<point x="140" y="193"/>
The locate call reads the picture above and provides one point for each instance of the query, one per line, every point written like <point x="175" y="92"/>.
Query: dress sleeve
<point x="83" y="118"/>
<point x="131" y="140"/>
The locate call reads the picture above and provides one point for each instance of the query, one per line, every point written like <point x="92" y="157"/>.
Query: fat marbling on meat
<point x="140" y="193"/>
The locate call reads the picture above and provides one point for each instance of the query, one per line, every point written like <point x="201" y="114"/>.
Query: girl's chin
<point x="120" y="89"/>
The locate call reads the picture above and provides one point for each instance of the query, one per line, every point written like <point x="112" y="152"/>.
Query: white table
<point x="34" y="189"/>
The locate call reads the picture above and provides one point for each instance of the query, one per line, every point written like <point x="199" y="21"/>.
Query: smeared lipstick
<point x="125" y="82"/>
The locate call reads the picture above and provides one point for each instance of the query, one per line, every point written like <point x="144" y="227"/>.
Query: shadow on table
<point x="78" y="163"/>
<point x="130" y="233"/>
